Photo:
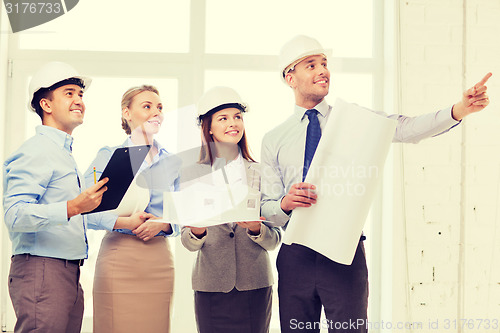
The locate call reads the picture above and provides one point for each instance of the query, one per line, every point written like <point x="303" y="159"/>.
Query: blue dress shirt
<point x="163" y="175"/>
<point x="38" y="180"/>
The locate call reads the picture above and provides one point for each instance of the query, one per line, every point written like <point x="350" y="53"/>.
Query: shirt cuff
<point x="446" y="121"/>
<point x="101" y="221"/>
<point x="259" y="236"/>
<point x="58" y="213"/>
<point x="108" y="221"/>
<point x="280" y="217"/>
<point x="446" y="116"/>
<point x="176" y="230"/>
<point x="195" y="238"/>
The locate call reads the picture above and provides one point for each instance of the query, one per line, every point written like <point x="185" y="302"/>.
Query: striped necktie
<point x="312" y="139"/>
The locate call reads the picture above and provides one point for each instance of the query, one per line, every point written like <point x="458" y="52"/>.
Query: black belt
<point x="78" y="262"/>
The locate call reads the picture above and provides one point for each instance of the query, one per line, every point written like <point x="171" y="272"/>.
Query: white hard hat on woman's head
<point x="52" y="73"/>
<point x="297" y="49"/>
<point x="219" y="98"/>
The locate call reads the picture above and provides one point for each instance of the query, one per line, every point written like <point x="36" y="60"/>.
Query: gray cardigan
<point x="231" y="258"/>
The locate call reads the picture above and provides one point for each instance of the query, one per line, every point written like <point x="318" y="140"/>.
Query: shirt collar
<point x="221" y="161"/>
<point x="323" y="109"/>
<point x="162" y="152"/>
<point x="62" y="139"/>
<point x="238" y="160"/>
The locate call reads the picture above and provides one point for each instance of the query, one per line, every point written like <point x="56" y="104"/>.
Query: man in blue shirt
<point x="44" y="196"/>
<point x="308" y="280"/>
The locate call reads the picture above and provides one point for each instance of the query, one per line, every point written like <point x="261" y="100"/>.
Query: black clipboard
<point x="121" y="170"/>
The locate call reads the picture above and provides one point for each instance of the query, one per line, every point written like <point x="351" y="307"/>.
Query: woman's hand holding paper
<point x="252" y="226"/>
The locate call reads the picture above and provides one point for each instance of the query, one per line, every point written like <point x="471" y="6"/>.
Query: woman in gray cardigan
<point x="232" y="277"/>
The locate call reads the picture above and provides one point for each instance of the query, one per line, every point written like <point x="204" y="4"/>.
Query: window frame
<point x="189" y="69"/>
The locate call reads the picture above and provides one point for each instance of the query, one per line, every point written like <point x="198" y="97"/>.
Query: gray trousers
<point x="46" y="294"/>
<point x="308" y="280"/>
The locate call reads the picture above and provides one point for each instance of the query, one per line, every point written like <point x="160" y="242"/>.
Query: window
<point x="230" y="43"/>
<point x="93" y="25"/>
<point x="255" y="27"/>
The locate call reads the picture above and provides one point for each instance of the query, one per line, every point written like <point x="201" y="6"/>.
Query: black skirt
<point x="233" y="312"/>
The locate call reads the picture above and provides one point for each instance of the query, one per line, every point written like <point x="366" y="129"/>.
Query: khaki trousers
<point x="46" y="294"/>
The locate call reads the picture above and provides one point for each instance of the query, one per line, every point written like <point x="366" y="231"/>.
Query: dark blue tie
<point x="312" y="139"/>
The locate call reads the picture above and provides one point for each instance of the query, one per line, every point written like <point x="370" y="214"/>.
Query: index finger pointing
<point x="483" y="81"/>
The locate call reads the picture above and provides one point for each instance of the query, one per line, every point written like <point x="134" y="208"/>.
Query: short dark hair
<point x="47" y="93"/>
<point x="37" y="97"/>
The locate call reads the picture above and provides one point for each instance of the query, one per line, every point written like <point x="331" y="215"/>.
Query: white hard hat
<point x="52" y="73"/>
<point x="297" y="49"/>
<point x="217" y="97"/>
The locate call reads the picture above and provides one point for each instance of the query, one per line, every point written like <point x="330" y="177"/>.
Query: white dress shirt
<point x="283" y="150"/>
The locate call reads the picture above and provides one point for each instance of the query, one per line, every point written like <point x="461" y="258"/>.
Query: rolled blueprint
<point x="346" y="170"/>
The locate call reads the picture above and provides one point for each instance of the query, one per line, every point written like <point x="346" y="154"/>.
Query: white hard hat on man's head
<point x="52" y="73"/>
<point x="219" y="98"/>
<point x="297" y="49"/>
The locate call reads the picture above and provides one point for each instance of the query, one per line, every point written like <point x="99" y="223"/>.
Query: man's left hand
<point x="473" y="100"/>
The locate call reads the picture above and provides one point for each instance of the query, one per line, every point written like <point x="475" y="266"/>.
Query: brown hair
<point x="206" y="153"/>
<point x="128" y="97"/>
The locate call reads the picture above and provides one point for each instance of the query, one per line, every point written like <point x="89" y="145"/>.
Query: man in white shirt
<point x="308" y="280"/>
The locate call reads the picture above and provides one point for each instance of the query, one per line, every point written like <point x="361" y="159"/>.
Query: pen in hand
<point x="95" y="179"/>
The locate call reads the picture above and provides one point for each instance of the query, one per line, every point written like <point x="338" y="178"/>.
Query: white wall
<point x="448" y="195"/>
<point x="4" y="239"/>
